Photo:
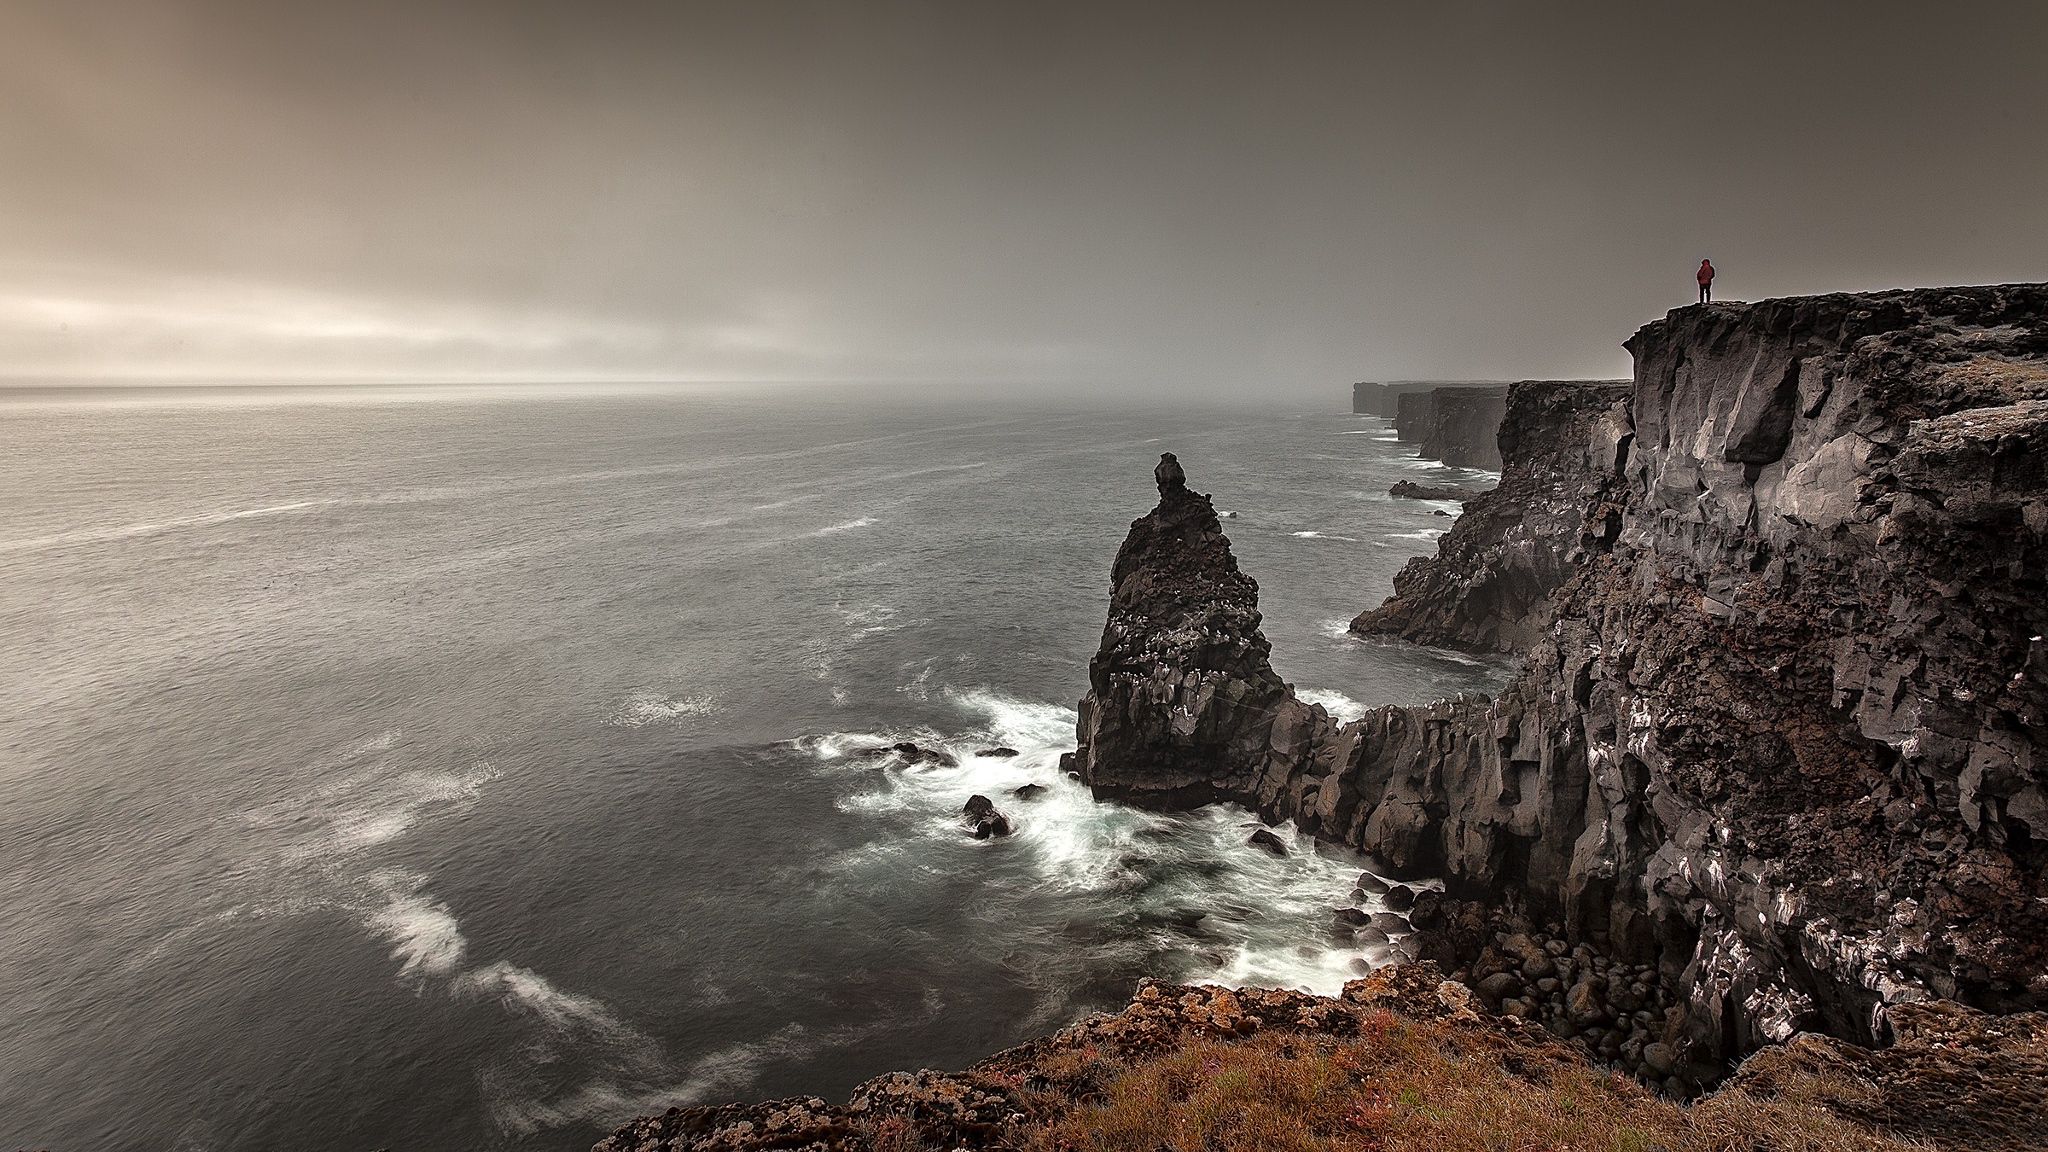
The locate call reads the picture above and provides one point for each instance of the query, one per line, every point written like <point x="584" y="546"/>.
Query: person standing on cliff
<point x="1706" y="279"/>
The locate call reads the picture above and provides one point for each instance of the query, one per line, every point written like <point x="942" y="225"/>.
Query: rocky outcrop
<point x="1488" y="588"/>
<point x="1410" y="490"/>
<point x="1783" y="735"/>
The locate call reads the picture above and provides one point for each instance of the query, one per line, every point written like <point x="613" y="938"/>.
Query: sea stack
<point x="1183" y="705"/>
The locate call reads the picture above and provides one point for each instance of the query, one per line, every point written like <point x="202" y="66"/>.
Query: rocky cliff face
<point x="1464" y="427"/>
<point x="1488" y="588"/>
<point x="1783" y="733"/>
<point x="1456" y="424"/>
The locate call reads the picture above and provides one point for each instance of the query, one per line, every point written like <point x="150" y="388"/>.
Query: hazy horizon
<point x="1201" y="200"/>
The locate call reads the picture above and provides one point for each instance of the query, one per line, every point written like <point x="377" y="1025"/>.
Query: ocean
<point x="476" y="768"/>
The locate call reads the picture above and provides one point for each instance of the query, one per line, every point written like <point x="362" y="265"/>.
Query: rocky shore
<point x="1766" y="805"/>
<point x="1779" y="728"/>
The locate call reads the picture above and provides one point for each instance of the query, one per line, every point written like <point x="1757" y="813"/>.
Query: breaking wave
<point x="1186" y="892"/>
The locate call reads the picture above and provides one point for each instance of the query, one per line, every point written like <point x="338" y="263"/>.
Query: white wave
<point x="846" y="527"/>
<point x="644" y="708"/>
<point x="1337" y="704"/>
<point x="422" y="932"/>
<point x="1322" y="536"/>
<point x="367" y="808"/>
<point x="1337" y="629"/>
<point x="1263" y="920"/>
<point x="152" y="528"/>
<point x="1424" y="534"/>
<point x="784" y="503"/>
<point x="524" y="990"/>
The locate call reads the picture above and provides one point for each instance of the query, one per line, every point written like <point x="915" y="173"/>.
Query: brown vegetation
<point x="1428" y="1085"/>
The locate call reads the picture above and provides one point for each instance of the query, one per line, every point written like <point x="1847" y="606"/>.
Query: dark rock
<point x="983" y="820"/>
<point x="1660" y="1058"/>
<point x="1169" y="476"/>
<point x="1410" y="490"/>
<point x="999" y="753"/>
<point x="1498" y="987"/>
<point x="1028" y="791"/>
<point x="1399" y="898"/>
<point x="1427" y="910"/>
<point x="1355" y="917"/>
<point x="1268" y="841"/>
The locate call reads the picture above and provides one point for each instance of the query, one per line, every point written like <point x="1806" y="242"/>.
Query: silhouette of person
<point x="1706" y="279"/>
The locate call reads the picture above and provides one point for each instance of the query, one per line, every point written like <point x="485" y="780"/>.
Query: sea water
<point x="477" y="768"/>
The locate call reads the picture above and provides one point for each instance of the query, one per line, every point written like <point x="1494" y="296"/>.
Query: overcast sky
<point x="1257" y="197"/>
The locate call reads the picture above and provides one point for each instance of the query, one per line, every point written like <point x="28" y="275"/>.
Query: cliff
<point x="1488" y="588"/>
<point x="1399" y="1060"/>
<point x="1455" y="424"/>
<point x="1783" y="734"/>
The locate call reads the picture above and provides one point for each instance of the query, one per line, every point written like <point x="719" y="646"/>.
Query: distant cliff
<point x="1456" y="424"/>
<point x="1488" y="588"/>
<point x="1780" y="728"/>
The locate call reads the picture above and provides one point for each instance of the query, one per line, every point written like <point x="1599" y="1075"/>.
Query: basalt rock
<point x="1183" y="705"/>
<point x="1488" y="588"/>
<point x="1781" y="730"/>
<point x="1410" y="490"/>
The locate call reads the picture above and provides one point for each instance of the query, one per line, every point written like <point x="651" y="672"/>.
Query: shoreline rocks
<point x="984" y="822"/>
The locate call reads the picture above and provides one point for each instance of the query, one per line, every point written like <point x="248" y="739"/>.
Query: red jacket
<point x="1706" y="275"/>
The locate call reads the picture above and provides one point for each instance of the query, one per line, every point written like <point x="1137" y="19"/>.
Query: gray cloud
<point x="1227" y="199"/>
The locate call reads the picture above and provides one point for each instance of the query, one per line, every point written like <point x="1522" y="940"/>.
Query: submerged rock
<point x="911" y="753"/>
<point x="983" y="820"/>
<point x="1269" y="842"/>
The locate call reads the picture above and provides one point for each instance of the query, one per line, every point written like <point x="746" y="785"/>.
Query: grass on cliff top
<point x="1405" y="1084"/>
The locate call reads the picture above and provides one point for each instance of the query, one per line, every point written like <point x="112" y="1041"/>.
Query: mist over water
<point x="476" y="770"/>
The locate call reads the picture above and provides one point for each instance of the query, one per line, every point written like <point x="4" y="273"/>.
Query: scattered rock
<point x="1028" y="791"/>
<point x="1266" y="840"/>
<point x="999" y="753"/>
<point x="983" y="820"/>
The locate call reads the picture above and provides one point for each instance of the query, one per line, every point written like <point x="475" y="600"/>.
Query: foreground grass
<point x="1418" y="1084"/>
